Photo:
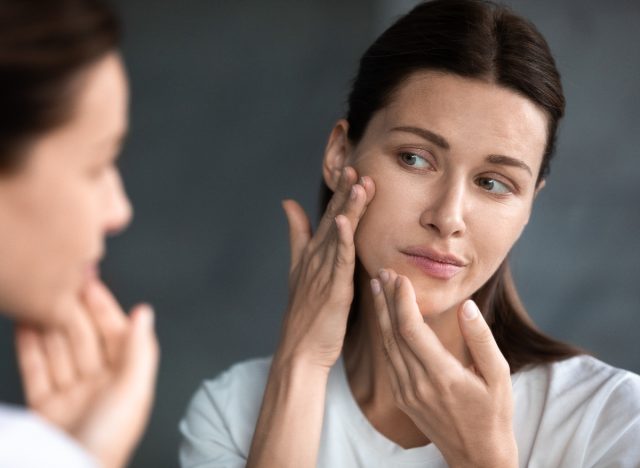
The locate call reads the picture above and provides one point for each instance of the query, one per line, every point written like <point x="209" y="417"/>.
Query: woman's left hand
<point x="94" y="376"/>
<point x="465" y="412"/>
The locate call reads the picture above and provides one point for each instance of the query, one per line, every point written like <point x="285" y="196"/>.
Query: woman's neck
<point x="364" y="362"/>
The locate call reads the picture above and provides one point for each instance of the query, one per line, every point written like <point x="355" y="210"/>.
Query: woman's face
<point x="455" y="163"/>
<point x="56" y="210"/>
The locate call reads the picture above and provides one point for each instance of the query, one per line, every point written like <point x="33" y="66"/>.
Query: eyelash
<point x="511" y="188"/>
<point x="402" y="161"/>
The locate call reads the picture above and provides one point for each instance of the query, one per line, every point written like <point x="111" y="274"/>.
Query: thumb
<point x="487" y="357"/>
<point x="115" y="425"/>
<point x="299" y="229"/>
<point x="141" y="354"/>
<point x="140" y="357"/>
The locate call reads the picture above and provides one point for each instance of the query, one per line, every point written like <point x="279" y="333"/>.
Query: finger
<point x="389" y="289"/>
<point x="299" y="229"/>
<point x="337" y="202"/>
<point x="345" y="256"/>
<point x="356" y="205"/>
<point x="109" y="319"/>
<point x="32" y="364"/>
<point x="59" y="359"/>
<point x="385" y="327"/>
<point x="487" y="357"/>
<point x="419" y="337"/>
<point x="139" y="365"/>
<point x="408" y="325"/>
<point x="85" y="344"/>
<point x="369" y="187"/>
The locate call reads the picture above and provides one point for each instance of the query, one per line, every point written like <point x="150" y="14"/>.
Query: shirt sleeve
<point x="615" y="440"/>
<point x="206" y="436"/>
<point x="218" y="426"/>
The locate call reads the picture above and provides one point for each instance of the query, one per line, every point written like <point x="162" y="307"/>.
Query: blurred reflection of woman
<point x="88" y="369"/>
<point x="404" y="342"/>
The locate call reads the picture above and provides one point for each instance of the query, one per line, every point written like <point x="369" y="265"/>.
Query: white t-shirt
<point x="576" y="413"/>
<point x="28" y="441"/>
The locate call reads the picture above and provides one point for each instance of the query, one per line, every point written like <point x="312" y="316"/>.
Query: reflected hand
<point x="466" y="412"/>
<point x="94" y="377"/>
<point x="321" y="273"/>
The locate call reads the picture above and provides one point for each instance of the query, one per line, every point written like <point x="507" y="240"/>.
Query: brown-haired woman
<point x="404" y="342"/>
<point x="88" y="369"/>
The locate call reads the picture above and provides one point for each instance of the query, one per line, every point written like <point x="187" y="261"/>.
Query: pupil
<point x="488" y="183"/>
<point x="410" y="159"/>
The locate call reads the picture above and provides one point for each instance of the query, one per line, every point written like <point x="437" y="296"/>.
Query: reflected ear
<point x="335" y="154"/>
<point x="540" y="186"/>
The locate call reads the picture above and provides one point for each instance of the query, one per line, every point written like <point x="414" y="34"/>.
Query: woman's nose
<point x="119" y="211"/>
<point x="445" y="211"/>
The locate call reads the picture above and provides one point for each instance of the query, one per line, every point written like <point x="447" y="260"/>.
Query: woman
<point x="88" y="369"/>
<point x="404" y="342"/>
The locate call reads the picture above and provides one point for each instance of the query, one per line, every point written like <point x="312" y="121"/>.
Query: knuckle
<point x="389" y="343"/>
<point x="484" y="336"/>
<point x="503" y="367"/>
<point x="409" y="397"/>
<point x="407" y="330"/>
<point x="422" y="391"/>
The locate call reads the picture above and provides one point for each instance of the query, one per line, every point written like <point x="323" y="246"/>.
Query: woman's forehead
<point x="464" y="110"/>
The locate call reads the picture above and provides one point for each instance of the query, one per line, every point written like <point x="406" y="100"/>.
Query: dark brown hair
<point x="44" y="47"/>
<point x="480" y="40"/>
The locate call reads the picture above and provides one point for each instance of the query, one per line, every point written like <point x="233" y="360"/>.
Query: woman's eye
<point x="493" y="186"/>
<point x="414" y="160"/>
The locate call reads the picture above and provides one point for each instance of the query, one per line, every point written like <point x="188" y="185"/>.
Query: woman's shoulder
<point x="22" y="430"/>
<point x="222" y="414"/>
<point x="248" y="374"/>
<point x="577" y="409"/>
<point x="584" y="372"/>
<point x="239" y="387"/>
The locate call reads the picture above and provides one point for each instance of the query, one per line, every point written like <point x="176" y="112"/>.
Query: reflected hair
<point x="480" y="40"/>
<point x="44" y="47"/>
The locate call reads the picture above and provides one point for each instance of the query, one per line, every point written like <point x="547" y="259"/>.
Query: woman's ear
<point x="335" y="154"/>
<point x="540" y="186"/>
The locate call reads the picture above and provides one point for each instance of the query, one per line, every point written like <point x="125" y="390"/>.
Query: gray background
<point x="232" y="103"/>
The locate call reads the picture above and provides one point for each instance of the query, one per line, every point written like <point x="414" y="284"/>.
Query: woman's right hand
<point x="321" y="274"/>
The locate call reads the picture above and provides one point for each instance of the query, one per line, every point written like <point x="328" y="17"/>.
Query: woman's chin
<point x="435" y="304"/>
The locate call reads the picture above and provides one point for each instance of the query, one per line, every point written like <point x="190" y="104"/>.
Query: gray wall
<point x="232" y="103"/>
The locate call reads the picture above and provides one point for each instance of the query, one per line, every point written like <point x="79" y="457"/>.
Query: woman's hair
<point x="44" y="47"/>
<point x="485" y="41"/>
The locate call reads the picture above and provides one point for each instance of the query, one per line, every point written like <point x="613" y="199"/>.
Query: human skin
<point x="86" y="366"/>
<point x="461" y="200"/>
<point x="67" y="196"/>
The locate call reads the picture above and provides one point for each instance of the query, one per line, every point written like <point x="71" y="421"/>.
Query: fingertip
<point x="383" y="275"/>
<point x="470" y="310"/>
<point x="375" y="287"/>
<point x="144" y="316"/>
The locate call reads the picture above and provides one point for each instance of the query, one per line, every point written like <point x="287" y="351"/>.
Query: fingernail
<point x="361" y="181"/>
<point x="470" y="310"/>
<point x="375" y="287"/>
<point x="398" y="282"/>
<point x="338" y="221"/>
<point x="354" y="193"/>
<point x="384" y="275"/>
<point x="146" y="315"/>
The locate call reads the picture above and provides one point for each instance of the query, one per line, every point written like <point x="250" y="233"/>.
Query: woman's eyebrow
<point x="424" y="133"/>
<point x="508" y="161"/>
<point x="440" y="141"/>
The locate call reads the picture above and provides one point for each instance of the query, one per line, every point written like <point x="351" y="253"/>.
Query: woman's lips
<point x="441" y="266"/>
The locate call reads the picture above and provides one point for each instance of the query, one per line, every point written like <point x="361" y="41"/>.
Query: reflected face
<point x="455" y="163"/>
<point x="56" y="210"/>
